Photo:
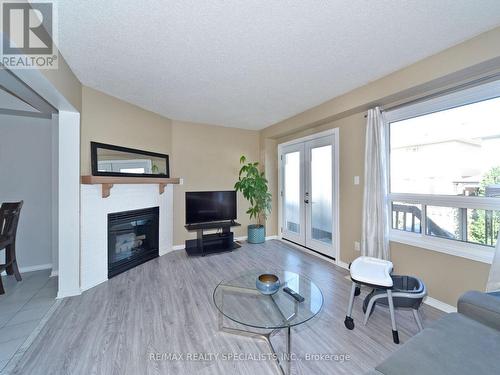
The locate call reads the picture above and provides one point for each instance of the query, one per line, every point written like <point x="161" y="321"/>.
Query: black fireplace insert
<point x="133" y="238"/>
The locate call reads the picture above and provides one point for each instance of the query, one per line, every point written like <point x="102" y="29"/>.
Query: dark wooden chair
<point x="9" y="218"/>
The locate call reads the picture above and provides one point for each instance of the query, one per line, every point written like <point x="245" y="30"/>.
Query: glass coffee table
<point x="240" y="301"/>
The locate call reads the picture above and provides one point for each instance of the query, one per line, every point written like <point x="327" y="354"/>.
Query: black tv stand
<point x="214" y="242"/>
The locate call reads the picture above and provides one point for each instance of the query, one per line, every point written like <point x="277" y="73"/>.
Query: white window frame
<point x="467" y="250"/>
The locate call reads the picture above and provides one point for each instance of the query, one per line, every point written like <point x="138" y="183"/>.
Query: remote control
<point x="294" y="294"/>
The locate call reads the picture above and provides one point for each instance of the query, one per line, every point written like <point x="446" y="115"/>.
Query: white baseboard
<point x="307" y="251"/>
<point x="342" y="264"/>
<point x="92" y="284"/>
<point x="428" y="300"/>
<point x="437" y="304"/>
<point x="38" y="267"/>
<point x="68" y="293"/>
<point x="268" y="238"/>
<point x="337" y="262"/>
<point x="164" y="251"/>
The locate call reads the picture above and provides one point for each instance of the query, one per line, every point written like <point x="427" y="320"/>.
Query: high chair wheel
<point x="349" y="323"/>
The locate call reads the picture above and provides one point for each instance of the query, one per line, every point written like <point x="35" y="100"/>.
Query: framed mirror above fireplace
<point x="117" y="161"/>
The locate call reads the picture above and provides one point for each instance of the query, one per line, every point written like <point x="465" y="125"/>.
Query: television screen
<point x="205" y="206"/>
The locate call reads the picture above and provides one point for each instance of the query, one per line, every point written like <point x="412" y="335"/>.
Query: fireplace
<point x="133" y="238"/>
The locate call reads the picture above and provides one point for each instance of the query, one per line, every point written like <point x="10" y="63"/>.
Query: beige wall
<point x="351" y="154"/>
<point x="110" y="120"/>
<point x="66" y="83"/>
<point x="269" y="162"/>
<point x="207" y="158"/>
<point x="446" y="276"/>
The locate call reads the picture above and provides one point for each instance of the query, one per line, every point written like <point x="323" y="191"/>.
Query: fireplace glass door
<point x="132" y="239"/>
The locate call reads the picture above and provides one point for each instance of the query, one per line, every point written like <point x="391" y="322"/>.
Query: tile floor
<point x="22" y="308"/>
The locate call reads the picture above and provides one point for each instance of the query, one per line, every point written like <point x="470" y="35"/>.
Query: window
<point x="444" y="182"/>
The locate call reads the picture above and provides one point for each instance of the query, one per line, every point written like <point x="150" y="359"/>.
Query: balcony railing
<point x="408" y="218"/>
<point x="405" y="218"/>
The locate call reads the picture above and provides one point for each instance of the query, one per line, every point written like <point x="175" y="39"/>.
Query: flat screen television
<point x="207" y="206"/>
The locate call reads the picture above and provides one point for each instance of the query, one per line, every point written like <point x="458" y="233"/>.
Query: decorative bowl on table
<point x="267" y="283"/>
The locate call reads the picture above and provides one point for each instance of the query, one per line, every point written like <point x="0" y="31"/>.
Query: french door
<point x="308" y="193"/>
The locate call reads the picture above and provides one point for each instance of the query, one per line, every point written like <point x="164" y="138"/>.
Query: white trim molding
<point x="68" y="203"/>
<point x="68" y="293"/>
<point x="94" y="224"/>
<point x="311" y="252"/>
<point x="38" y="267"/>
<point x="455" y="201"/>
<point x="450" y="246"/>
<point x="479" y="253"/>
<point x="324" y="133"/>
<point x="446" y="101"/>
<point x="343" y="265"/>
<point x="437" y="304"/>
<point x="335" y="133"/>
<point x="68" y="179"/>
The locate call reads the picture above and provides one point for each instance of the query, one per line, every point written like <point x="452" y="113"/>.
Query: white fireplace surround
<point x="94" y="223"/>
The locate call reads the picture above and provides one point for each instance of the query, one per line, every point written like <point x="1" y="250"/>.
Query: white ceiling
<point x="252" y="63"/>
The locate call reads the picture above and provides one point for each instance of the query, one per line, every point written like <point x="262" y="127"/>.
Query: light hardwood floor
<point x="165" y="306"/>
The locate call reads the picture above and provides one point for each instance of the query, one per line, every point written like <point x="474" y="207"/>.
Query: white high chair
<point x="375" y="273"/>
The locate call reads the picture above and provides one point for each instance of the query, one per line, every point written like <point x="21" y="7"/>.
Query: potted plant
<point x="253" y="186"/>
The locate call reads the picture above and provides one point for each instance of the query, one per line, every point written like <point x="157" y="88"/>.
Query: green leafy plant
<point x="254" y="187"/>
<point x="484" y="224"/>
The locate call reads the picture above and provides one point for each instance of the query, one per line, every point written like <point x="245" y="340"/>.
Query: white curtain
<point x="493" y="284"/>
<point x="375" y="230"/>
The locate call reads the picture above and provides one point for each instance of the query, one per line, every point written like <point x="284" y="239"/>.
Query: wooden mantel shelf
<point x="108" y="182"/>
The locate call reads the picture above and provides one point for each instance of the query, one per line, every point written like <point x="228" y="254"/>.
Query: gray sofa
<point x="466" y="342"/>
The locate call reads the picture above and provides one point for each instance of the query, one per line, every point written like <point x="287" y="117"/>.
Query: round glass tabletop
<point x="240" y="301"/>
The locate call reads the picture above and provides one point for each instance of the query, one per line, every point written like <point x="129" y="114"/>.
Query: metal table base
<point x="284" y="368"/>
